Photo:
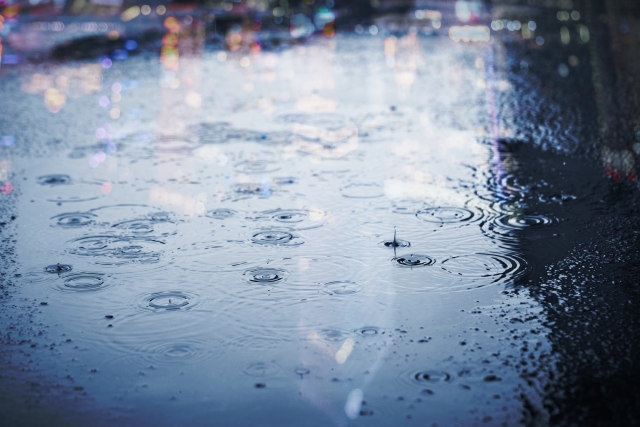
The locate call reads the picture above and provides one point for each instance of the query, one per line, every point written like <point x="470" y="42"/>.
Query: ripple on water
<point x="58" y="268"/>
<point x="118" y="250"/>
<point x="54" y="179"/>
<point x="449" y="215"/>
<point x="299" y="219"/>
<point x="221" y="213"/>
<point x="265" y="276"/>
<point x="74" y="219"/>
<point x="251" y="189"/>
<point x="493" y="266"/>
<point x="342" y="287"/>
<point x="262" y="369"/>
<point x="362" y="191"/>
<point x="370" y="331"/>
<point x="506" y="227"/>
<point x="394" y="243"/>
<point x="83" y="282"/>
<point x="257" y="166"/>
<point x="173" y="350"/>
<point x="276" y="238"/>
<point x="334" y="335"/>
<point x="413" y="260"/>
<point x="168" y="300"/>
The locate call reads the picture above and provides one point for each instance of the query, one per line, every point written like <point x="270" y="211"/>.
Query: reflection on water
<point x="323" y="229"/>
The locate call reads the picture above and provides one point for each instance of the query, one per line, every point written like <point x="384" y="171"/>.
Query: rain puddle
<point x="326" y="231"/>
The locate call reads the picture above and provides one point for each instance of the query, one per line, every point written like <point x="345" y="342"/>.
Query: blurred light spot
<point x="7" y="140"/>
<point x="419" y="14"/>
<point x="359" y="29"/>
<point x="199" y="208"/>
<point x="564" y="35"/>
<point x="539" y="40"/>
<point x="463" y="11"/>
<point x="303" y="264"/>
<point x="575" y="15"/>
<point x="353" y="404"/>
<point x="6" y="188"/>
<point x="53" y="98"/>
<point x="193" y="99"/>
<point x="106" y="62"/>
<point x="497" y="25"/>
<point x="116" y="87"/>
<point x="316" y="215"/>
<point x="532" y="25"/>
<point x="563" y="70"/>
<point x="106" y="188"/>
<point x="130" y="13"/>
<point x="145" y="10"/>
<point x="373" y="30"/>
<point x="116" y="97"/>
<point x="114" y="113"/>
<point x="101" y="133"/>
<point x="278" y="12"/>
<point x="574" y="61"/>
<point x="248" y="87"/>
<point x="62" y="81"/>
<point x="222" y="56"/>
<point x="467" y="33"/>
<point x="245" y="62"/>
<point x="104" y="102"/>
<point x="113" y="35"/>
<point x="562" y="15"/>
<point x="131" y="45"/>
<point x="3" y="174"/>
<point x="172" y="24"/>
<point x="479" y="63"/>
<point x="300" y="26"/>
<point x="316" y="103"/>
<point x="160" y="10"/>
<point x="110" y="147"/>
<point x="584" y="33"/>
<point x="344" y="351"/>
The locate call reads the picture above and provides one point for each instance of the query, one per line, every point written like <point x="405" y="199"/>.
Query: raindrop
<point x="276" y="237"/>
<point x="74" y="219"/>
<point x="490" y="265"/>
<point x="58" y="268"/>
<point x="342" y="287"/>
<point x="446" y="215"/>
<point x="362" y="191"/>
<point x="55" y="179"/>
<point x="83" y="282"/>
<point x="256" y="166"/>
<point x="261" y="369"/>
<point x="432" y="377"/>
<point x="265" y="275"/>
<point x="413" y="260"/>
<point x="333" y="335"/>
<point x="369" y="331"/>
<point x="168" y="300"/>
<point x="221" y="213"/>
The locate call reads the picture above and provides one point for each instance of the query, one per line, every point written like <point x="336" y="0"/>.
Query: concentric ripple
<point x="257" y="166"/>
<point x="171" y="351"/>
<point x="362" y="191"/>
<point x="395" y="243"/>
<point x="369" y="331"/>
<point x="83" y="282"/>
<point x="117" y="250"/>
<point x="485" y="265"/>
<point x="276" y="238"/>
<point x="54" y="179"/>
<point x="299" y="219"/>
<point x="262" y="369"/>
<point x="335" y="335"/>
<point x="171" y="300"/>
<point x="58" y="268"/>
<point x="265" y="275"/>
<point x="433" y="377"/>
<point x="342" y="287"/>
<point x="447" y="215"/>
<point x="413" y="260"/>
<point x="221" y="213"/>
<point x="74" y="219"/>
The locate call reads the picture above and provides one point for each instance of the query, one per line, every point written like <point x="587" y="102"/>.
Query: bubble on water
<point x="170" y="300"/>
<point x="262" y="369"/>
<point x="277" y="238"/>
<point x="362" y="191"/>
<point x="221" y="213"/>
<point x="257" y="166"/>
<point x="341" y="288"/>
<point x="448" y="215"/>
<point x="413" y="260"/>
<point x="82" y="282"/>
<point x="369" y="331"/>
<point x="74" y="219"/>
<point x="265" y="275"/>
<point x="485" y="265"/>
<point x="54" y="179"/>
<point x="58" y="268"/>
<point x="433" y="377"/>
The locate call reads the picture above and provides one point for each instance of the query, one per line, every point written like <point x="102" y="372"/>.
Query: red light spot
<point x="7" y="188"/>
<point x="106" y="188"/>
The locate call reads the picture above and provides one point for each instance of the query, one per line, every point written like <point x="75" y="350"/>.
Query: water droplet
<point x="262" y="369"/>
<point x="265" y="275"/>
<point x="221" y="213"/>
<point x="81" y="282"/>
<point x="58" y="268"/>
<point x="413" y="260"/>
<point x="74" y="219"/>
<point x="54" y="179"/>
<point x="369" y="331"/>
<point x="168" y="300"/>
<point x="276" y="237"/>
<point x="432" y="377"/>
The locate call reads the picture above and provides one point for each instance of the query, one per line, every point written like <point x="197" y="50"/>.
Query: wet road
<point x="348" y="230"/>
